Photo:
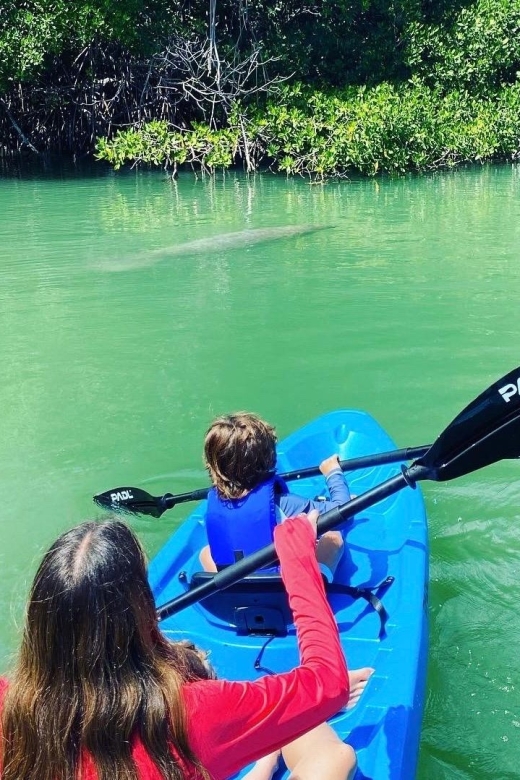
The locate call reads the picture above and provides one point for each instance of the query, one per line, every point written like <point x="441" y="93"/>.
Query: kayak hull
<point x="389" y="540"/>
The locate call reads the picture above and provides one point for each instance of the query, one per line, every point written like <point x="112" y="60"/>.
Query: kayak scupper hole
<point x="341" y="433"/>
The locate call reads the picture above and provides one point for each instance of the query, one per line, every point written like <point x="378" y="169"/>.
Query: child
<point x="248" y="500"/>
<point x="245" y="504"/>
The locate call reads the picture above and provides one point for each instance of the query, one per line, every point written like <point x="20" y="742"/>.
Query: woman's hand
<point x="285" y="533"/>
<point x="312" y="517"/>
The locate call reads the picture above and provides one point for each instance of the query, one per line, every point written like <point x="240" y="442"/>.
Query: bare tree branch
<point x="103" y="89"/>
<point x="16" y="126"/>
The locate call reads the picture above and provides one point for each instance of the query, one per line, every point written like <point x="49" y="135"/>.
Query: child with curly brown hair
<point x="248" y="500"/>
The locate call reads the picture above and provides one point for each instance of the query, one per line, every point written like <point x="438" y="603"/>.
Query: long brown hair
<point x="94" y="672"/>
<point x="240" y="452"/>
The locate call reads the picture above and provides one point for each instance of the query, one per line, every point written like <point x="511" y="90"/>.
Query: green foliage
<point x="32" y="31"/>
<point x="340" y="42"/>
<point x="156" y="144"/>
<point x="27" y="32"/>
<point x="479" y="50"/>
<point x="318" y="134"/>
<point x="389" y="129"/>
<point x="398" y="85"/>
<point x="456" y="44"/>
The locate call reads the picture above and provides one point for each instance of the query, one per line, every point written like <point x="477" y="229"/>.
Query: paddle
<point x="486" y="431"/>
<point x="137" y="501"/>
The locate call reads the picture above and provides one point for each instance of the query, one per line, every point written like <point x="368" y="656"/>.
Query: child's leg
<point x="320" y="754"/>
<point x="330" y="549"/>
<point x="206" y="560"/>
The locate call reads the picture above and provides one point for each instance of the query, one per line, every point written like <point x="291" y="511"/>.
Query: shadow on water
<point x="50" y="167"/>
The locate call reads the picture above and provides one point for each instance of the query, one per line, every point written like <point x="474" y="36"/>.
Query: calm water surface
<point x="406" y="306"/>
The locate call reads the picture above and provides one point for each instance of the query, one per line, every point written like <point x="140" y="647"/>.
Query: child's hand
<point x="329" y="464"/>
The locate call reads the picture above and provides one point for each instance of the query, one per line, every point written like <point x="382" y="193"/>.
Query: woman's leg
<point x="358" y="679"/>
<point x="320" y="754"/>
<point x="264" y="768"/>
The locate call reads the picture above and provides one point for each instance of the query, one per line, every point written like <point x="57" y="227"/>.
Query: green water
<point x="407" y="307"/>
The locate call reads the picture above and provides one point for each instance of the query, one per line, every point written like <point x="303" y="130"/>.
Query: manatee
<point x="221" y="242"/>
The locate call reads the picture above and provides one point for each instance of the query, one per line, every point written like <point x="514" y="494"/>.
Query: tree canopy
<point x="75" y="71"/>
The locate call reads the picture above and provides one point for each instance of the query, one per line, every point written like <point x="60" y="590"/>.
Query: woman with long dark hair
<point x="98" y="693"/>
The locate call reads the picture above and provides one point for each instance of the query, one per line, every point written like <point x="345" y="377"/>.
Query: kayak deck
<point x="386" y="540"/>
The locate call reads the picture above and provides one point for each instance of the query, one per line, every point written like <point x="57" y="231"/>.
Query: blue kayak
<point x="248" y="630"/>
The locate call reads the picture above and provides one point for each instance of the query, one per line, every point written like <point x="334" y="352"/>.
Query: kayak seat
<point x="257" y="605"/>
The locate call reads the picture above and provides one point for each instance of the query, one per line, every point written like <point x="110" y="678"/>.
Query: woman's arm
<point x="231" y="724"/>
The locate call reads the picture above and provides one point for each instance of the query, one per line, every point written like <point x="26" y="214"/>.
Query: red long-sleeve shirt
<point x="231" y="724"/>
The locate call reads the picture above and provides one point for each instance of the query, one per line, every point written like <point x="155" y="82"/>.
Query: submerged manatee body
<point x="220" y="242"/>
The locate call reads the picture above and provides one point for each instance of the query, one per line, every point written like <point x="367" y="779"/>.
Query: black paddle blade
<point x="486" y="431"/>
<point x="133" y="500"/>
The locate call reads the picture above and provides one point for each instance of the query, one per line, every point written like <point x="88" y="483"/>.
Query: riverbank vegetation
<point x="321" y="89"/>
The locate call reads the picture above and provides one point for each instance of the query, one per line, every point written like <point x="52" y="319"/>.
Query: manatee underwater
<point x="210" y="245"/>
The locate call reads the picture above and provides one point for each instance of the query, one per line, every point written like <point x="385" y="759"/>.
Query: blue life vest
<point x="240" y="526"/>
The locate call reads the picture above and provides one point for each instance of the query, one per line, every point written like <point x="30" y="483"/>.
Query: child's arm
<point x="336" y="482"/>
<point x="291" y="504"/>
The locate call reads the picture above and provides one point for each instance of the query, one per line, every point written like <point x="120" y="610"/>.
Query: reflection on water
<point x="406" y="305"/>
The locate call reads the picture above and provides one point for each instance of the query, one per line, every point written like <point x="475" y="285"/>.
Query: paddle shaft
<point x="486" y="431"/>
<point x="168" y="501"/>
<point x="267" y="555"/>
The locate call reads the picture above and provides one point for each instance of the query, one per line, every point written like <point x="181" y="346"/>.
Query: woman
<point x="98" y="693"/>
